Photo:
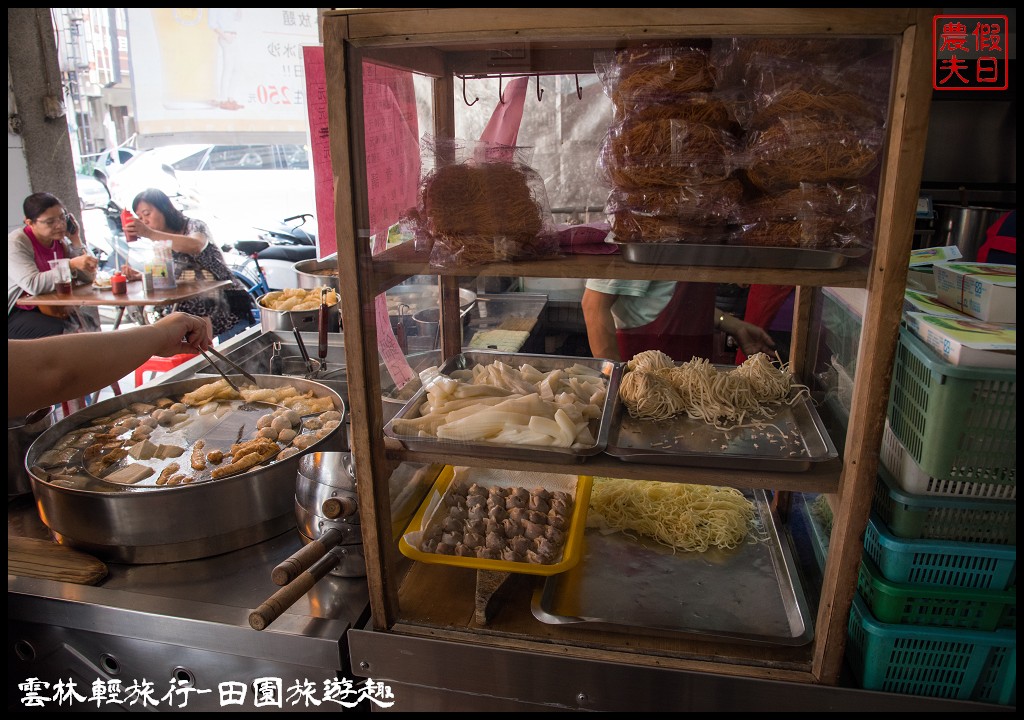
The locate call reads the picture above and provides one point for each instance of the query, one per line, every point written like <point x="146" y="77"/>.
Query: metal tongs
<point x="248" y="404"/>
<point x="237" y="368"/>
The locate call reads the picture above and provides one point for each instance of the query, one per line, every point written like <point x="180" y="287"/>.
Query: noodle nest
<point x="692" y="518"/>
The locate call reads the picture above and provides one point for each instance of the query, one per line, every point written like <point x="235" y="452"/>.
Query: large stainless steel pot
<point x="314" y="273"/>
<point x="305" y="320"/>
<point x="964" y="226"/>
<point x="182" y="522"/>
<point x="21" y="433"/>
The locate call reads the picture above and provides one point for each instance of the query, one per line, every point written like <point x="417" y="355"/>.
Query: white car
<point x="244" y="183"/>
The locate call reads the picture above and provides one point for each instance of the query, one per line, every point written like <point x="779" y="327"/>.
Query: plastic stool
<point x="157" y="364"/>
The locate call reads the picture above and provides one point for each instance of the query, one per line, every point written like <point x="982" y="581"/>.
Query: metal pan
<point x="738" y="256"/>
<point x="750" y="594"/>
<point x="795" y="439"/>
<point x="168" y="524"/>
<point x="544" y="363"/>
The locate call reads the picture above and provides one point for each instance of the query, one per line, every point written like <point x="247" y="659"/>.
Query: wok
<point x="169" y="524"/>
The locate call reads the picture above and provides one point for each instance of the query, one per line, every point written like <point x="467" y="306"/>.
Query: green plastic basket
<point x="939" y="518"/>
<point x="945" y="663"/>
<point x="909" y="604"/>
<point x="957" y="423"/>
<point x="945" y="563"/>
<point x="911" y="478"/>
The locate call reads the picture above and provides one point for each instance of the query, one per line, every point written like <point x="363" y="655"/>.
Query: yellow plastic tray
<point x="571" y="552"/>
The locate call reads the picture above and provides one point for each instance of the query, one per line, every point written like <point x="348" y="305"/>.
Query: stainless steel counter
<point x="184" y="621"/>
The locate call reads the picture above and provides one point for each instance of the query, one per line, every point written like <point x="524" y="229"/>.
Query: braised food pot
<point x="170" y="524"/>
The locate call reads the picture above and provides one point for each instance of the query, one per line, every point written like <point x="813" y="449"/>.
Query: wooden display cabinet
<point x="446" y="44"/>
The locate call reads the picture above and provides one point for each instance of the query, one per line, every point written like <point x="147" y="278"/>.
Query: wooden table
<point x="87" y="295"/>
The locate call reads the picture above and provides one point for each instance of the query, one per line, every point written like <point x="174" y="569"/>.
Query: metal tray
<point x="796" y="439"/>
<point x="743" y="256"/>
<point x="749" y="594"/>
<point x="545" y="363"/>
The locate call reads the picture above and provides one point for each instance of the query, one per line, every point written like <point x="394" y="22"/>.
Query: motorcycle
<point x="268" y="263"/>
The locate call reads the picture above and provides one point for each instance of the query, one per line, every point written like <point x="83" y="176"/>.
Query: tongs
<point x="247" y="405"/>
<point x="322" y="335"/>
<point x="237" y="368"/>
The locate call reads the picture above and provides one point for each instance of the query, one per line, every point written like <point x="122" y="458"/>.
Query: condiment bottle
<point x="127" y="217"/>
<point x="119" y="284"/>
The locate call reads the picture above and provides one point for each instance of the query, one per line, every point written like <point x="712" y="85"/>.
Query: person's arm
<point x="751" y="338"/>
<point x="49" y="370"/>
<point x="189" y="244"/>
<point x="83" y="263"/>
<point x="597" y="314"/>
<point x="22" y="269"/>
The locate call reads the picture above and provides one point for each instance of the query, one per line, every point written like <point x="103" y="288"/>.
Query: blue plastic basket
<point x="936" y="662"/>
<point x="939" y="562"/>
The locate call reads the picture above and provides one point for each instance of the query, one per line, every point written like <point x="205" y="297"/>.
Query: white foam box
<point x="986" y="291"/>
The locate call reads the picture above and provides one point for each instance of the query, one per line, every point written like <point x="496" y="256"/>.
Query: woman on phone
<point x="49" y="233"/>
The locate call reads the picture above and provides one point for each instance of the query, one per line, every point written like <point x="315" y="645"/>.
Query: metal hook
<point x="540" y="91"/>
<point x="579" y="90"/>
<point x="501" y="94"/>
<point x="464" y="98"/>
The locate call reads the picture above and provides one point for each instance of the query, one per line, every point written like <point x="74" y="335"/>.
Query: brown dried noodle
<point x="848" y="204"/>
<point x="652" y="139"/>
<point x="661" y="71"/>
<point x="796" y="150"/>
<point x="693" y="107"/>
<point x="668" y="171"/>
<point x="481" y="213"/>
<point x="710" y="203"/>
<point x="811" y="102"/>
<point x="812" y="233"/>
<point x="635" y="228"/>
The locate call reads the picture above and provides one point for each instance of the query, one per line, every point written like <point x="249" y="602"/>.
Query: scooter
<point x="273" y="255"/>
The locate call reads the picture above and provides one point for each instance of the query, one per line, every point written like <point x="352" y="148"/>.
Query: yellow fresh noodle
<point x="685" y="517"/>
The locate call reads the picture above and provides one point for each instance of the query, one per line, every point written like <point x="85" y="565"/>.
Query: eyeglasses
<point x="54" y="222"/>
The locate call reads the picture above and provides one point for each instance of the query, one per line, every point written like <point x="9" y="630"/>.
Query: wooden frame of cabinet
<point x="434" y="41"/>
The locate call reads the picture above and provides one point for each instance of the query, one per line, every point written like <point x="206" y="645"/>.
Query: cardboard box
<point x="967" y="342"/>
<point x="986" y="291"/>
<point x="928" y="303"/>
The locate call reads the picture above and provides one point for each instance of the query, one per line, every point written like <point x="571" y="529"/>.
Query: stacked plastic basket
<point x="935" y="612"/>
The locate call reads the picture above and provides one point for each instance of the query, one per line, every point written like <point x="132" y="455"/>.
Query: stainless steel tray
<point x="545" y="363"/>
<point x="796" y="439"/>
<point x="749" y="594"/>
<point x="739" y="255"/>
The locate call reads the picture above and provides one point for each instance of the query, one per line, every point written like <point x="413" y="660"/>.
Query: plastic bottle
<point x="119" y="284"/>
<point x="127" y="217"/>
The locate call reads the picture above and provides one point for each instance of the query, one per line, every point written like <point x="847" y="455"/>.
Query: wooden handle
<point x="284" y="598"/>
<point x="322" y="346"/>
<point x="334" y="507"/>
<point x="305" y="556"/>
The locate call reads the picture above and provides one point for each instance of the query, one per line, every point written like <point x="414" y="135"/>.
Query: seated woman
<point x="229" y="310"/>
<point x="49" y="233"/>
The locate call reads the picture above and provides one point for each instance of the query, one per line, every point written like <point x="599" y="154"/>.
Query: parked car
<point x="254" y="183"/>
<point x="109" y="162"/>
<point x="91" y="192"/>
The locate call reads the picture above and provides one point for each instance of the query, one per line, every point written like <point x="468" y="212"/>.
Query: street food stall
<point x="471" y="536"/>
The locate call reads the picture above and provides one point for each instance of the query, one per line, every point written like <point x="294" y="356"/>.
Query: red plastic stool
<point x="157" y="364"/>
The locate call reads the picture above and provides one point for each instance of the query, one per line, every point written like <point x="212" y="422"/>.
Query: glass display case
<point x="834" y="98"/>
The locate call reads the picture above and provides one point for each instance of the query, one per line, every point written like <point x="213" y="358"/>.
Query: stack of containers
<point x="935" y="611"/>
